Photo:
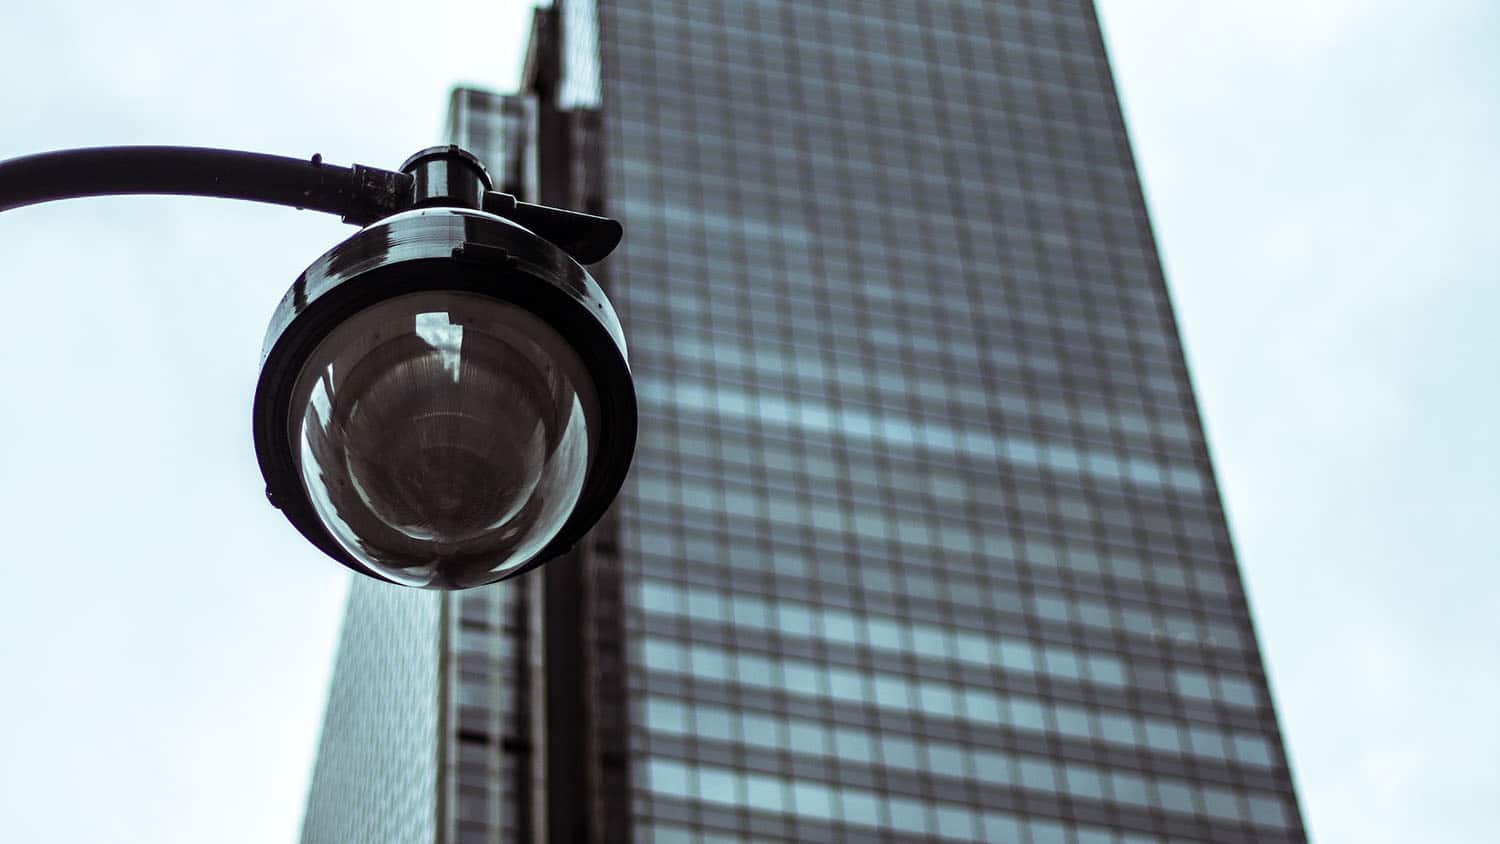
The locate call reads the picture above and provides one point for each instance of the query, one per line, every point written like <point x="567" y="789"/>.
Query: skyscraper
<point x="922" y="538"/>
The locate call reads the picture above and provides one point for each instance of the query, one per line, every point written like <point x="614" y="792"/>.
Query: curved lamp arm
<point x="358" y="194"/>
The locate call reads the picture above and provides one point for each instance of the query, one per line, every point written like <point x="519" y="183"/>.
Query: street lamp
<point x="444" y="398"/>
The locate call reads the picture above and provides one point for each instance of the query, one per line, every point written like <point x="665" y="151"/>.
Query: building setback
<point x="922" y="540"/>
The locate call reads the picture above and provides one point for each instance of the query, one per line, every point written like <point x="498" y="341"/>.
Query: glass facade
<point x="375" y="778"/>
<point x="922" y="538"/>
<point x="922" y="541"/>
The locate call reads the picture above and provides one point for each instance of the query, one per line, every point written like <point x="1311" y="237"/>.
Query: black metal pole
<point x="358" y="194"/>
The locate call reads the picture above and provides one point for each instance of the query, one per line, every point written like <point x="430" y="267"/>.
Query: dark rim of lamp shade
<point x="446" y="249"/>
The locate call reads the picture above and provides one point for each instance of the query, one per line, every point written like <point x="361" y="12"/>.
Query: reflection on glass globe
<point x="445" y="436"/>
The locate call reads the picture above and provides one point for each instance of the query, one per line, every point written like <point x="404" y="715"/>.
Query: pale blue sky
<point x="1323" y="184"/>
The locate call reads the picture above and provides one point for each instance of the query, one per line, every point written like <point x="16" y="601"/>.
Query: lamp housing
<point x="445" y="400"/>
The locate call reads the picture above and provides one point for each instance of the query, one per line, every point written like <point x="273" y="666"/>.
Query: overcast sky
<point x="1323" y="184"/>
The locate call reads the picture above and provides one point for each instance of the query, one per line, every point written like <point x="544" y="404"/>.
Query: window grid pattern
<point x="489" y="717"/>
<point x="375" y="776"/>
<point x="919" y="456"/>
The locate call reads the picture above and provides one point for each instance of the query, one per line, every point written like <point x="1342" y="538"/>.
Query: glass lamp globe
<point x="443" y="437"/>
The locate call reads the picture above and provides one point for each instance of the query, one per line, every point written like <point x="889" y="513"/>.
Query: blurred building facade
<point x="922" y="539"/>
